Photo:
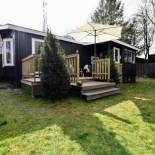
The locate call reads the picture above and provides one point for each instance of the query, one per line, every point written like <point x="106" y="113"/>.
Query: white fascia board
<point x="69" y="40"/>
<point x="125" y="44"/>
<point x="28" y="30"/>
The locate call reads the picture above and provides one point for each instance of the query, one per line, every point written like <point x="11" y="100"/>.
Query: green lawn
<point x="120" y="125"/>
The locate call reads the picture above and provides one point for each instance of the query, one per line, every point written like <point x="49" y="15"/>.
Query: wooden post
<point x="78" y="67"/>
<point x="34" y="68"/>
<point x="108" y="69"/>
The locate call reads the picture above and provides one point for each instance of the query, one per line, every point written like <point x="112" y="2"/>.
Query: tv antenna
<point x="45" y="26"/>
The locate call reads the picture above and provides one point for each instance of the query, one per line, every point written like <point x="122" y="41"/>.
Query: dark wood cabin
<point x="19" y="42"/>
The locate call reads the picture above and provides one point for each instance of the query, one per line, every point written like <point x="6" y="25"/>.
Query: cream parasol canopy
<point x="96" y="33"/>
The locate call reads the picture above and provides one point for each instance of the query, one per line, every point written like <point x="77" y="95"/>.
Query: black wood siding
<point x="70" y="48"/>
<point x="23" y="48"/>
<point x="8" y="73"/>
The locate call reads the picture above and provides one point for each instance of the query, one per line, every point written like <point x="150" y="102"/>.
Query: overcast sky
<point x="63" y="15"/>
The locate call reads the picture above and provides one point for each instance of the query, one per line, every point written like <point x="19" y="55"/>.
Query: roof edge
<point x="37" y="32"/>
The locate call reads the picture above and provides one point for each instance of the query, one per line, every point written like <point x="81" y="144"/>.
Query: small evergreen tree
<point x="54" y="77"/>
<point x="113" y="71"/>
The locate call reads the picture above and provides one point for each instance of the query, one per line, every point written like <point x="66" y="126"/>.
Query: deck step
<point x="97" y="86"/>
<point x="100" y="93"/>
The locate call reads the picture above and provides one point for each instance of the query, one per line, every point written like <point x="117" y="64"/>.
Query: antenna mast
<point x="45" y="26"/>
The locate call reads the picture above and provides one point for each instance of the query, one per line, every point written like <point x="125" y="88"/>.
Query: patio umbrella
<point x="96" y="33"/>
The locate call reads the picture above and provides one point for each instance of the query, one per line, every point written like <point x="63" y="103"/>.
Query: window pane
<point x="8" y="57"/>
<point x="0" y="50"/>
<point x="8" y="52"/>
<point x="116" y="55"/>
<point x="133" y="57"/>
<point x="37" y="47"/>
<point x="130" y="56"/>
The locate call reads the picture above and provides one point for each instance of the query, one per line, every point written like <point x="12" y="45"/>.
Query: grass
<point x="118" y="125"/>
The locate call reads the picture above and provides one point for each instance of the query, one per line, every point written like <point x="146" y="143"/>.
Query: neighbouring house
<point x="20" y="42"/>
<point x="151" y="58"/>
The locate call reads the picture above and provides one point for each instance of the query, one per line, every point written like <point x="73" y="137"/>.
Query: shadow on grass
<point x="74" y="116"/>
<point x="147" y="109"/>
<point x="116" y="117"/>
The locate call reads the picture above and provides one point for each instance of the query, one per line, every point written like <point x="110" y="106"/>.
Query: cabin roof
<point x="37" y="32"/>
<point x="125" y="44"/>
<point x="40" y="33"/>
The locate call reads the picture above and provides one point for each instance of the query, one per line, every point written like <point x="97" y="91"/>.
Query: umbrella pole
<point x="95" y="35"/>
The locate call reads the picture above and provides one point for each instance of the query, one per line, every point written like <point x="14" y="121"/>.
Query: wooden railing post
<point x="34" y="70"/>
<point x="109" y="69"/>
<point x="78" y="67"/>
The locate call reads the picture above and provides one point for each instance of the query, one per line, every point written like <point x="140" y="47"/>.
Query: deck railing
<point x="31" y="67"/>
<point x="101" y="69"/>
<point x="73" y="66"/>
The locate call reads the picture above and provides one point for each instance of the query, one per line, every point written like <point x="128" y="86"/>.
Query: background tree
<point x="145" y="30"/>
<point x="54" y="77"/>
<point x="151" y="11"/>
<point x="109" y="12"/>
<point x="130" y="32"/>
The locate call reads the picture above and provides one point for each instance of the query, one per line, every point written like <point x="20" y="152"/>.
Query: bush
<point x="54" y="78"/>
<point x="113" y="71"/>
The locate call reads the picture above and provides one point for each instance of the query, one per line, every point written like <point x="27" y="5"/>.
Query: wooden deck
<point x="90" y="89"/>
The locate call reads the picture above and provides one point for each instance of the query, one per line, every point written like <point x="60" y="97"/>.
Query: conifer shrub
<point x="54" y="76"/>
<point x="113" y="71"/>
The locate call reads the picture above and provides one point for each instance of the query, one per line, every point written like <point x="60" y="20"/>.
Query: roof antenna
<point x="45" y="26"/>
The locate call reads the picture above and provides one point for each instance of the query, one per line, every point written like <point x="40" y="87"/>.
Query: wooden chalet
<point x="20" y="61"/>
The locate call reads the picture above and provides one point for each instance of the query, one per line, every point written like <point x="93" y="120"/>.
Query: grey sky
<point x="63" y="15"/>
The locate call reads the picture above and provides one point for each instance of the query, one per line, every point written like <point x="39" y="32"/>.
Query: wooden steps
<point x="94" y="89"/>
<point x="100" y="93"/>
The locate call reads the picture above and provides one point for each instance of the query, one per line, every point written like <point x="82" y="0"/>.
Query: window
<point x="116" y="55"/>
<point x="133" y="58"/>
<point x="8" y="54"/>
<point x="36" y="44"/>
<point x="129" y="56"/>
<point x="0" y="50"/>
<point x="1" y="44"/>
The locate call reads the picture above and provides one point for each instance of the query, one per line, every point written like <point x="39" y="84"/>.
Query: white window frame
<point x="130" y="59"/>
<point x="119" y="57"/>
<point x="33" y="44"/>
<point x="133" y="57"/>
<point x="5" y="64"/>
<point x="1" y="44"/>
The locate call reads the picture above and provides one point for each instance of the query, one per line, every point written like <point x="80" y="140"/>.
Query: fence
<point x="101" y="69"/>
<point x="73" y="66"/>
<point x="143" y="69"/>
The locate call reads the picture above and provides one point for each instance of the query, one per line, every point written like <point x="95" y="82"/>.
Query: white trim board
<point x="32" y="31"/>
